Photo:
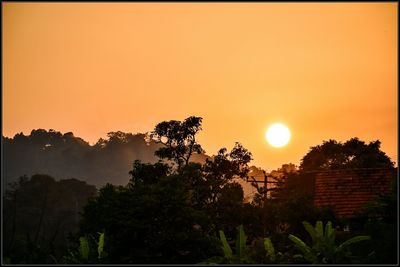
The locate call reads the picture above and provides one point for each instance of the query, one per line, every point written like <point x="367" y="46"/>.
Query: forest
<point x="159" y="199"/>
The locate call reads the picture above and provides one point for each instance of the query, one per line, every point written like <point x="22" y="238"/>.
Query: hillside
<point x="64" y="156"/>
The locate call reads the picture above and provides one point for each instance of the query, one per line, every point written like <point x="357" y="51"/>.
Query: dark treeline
<point x="41" y="215"/>
<point x="66" y="156"/>
<point x="170" y="207"/>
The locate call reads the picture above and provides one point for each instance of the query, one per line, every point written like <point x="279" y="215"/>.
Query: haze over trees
<point x="66" y="156"/>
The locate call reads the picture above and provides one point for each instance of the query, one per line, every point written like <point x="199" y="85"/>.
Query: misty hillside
<point x="66" y="156"/>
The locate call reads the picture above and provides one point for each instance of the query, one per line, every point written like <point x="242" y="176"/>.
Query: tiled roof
<point x="346" y="191"/>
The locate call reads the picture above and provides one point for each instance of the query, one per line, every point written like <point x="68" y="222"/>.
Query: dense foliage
<point x="323" y="248"/>
<point x="332" y="155"/>
<point x="179" y="210"/>
<point x="39" y="216"/>
<point x="181" y="207"/>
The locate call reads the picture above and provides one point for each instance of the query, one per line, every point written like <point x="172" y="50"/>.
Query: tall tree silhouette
<point x="179" y="139"/>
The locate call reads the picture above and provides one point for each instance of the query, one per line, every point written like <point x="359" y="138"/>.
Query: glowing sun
<point x="278" y="135"/>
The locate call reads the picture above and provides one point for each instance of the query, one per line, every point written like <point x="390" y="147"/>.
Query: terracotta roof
<point x="346" y="191"/>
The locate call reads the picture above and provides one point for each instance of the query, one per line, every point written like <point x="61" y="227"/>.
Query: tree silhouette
<point x="161" y="204"/>
<point x="354" y="153"/>
<point x="39" y="214"/>
<point x="65" y="155"/>
<point x="179" y="139"/>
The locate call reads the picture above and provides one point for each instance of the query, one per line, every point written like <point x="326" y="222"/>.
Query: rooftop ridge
<point x="349" y="170"/>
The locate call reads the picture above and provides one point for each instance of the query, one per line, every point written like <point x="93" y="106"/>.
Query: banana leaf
<point x="225" y="246"/>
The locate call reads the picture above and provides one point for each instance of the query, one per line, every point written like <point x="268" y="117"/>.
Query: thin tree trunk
<point x="41" y="215"/>
<point x="14" y="220"/>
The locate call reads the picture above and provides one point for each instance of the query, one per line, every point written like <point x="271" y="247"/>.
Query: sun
<point x="278" y="135"/>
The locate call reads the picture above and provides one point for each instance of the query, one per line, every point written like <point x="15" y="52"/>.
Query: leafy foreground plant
<point x="85" y="254"/>
<point x="323" y="248"/>
<point x="269" y="248"/>
<point x="241" y="250"/>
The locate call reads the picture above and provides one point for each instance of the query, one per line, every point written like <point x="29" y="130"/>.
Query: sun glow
<point x="278" y="135"/>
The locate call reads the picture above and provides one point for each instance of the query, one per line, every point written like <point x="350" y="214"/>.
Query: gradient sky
<point x="326" y="70"/>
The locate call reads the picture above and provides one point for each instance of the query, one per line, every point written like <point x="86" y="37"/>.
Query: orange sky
<point x="327" y="70"/>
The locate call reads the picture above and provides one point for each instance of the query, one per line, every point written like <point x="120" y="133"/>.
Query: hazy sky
<point x="326" y="70"/>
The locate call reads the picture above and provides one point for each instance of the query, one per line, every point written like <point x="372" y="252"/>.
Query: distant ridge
<point x="64" y="156"/>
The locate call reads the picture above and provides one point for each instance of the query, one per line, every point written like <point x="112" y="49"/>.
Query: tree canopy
<point x="65" y="155"/>
<point x="39" y="215"/>
<point x="354" y="153"/>
<point x="179" y="139"/>
<point x="167" y="214"/>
